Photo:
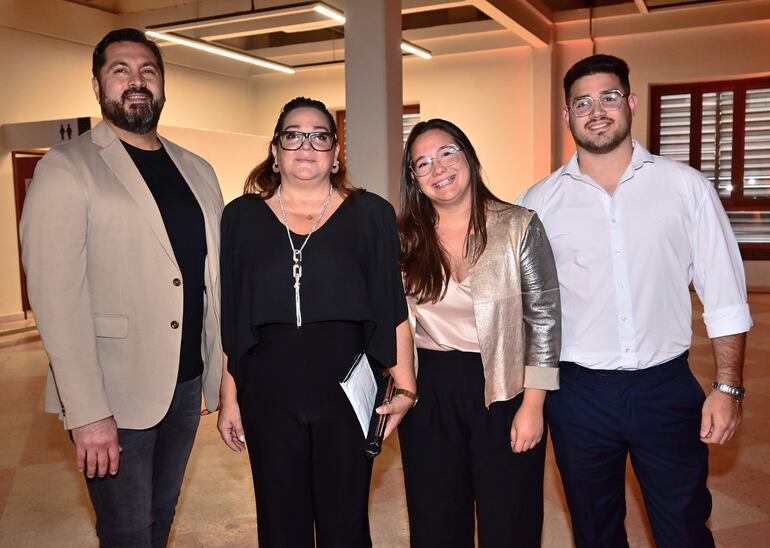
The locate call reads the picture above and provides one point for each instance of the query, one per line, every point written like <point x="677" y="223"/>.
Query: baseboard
<point x="13" y="317"/>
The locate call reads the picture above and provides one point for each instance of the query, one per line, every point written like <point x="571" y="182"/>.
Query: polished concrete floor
<point x="43" y="500"/>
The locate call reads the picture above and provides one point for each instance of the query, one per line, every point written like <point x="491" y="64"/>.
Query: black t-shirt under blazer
<point x="183" y="219"/>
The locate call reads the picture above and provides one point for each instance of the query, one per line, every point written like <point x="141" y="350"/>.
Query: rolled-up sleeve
<point x="718" y="275"/>
<point x="541" y="307"/>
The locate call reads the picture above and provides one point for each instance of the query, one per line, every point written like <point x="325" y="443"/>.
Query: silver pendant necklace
<point x="296" y="270"/>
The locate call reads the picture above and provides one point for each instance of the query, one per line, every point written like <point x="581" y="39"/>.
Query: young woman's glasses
<point x="608" y="100"/>
<point x="446" y="156"/>
<point x="321" y="141"/>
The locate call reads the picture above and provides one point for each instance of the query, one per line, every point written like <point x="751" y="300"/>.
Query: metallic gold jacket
<point x="516" y="303"/>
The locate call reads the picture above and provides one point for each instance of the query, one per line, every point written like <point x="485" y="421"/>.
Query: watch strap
<point x="737" y="392"/>
<point x="411" y="395"/>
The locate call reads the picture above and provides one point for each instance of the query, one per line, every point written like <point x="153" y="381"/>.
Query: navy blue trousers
<point x="598" y="418"/>
<point x="135" y="508"/>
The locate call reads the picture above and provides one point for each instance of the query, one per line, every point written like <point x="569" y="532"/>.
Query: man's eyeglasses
<point x="608" y="100"/>
<point x="321" y="141"/>
<point x="446" y="156"/>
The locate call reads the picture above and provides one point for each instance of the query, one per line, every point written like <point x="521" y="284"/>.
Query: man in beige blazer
<point x="120" y="243"/>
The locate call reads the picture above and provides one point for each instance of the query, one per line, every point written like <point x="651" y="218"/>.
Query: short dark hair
<point x="123" y="35"/>
<point x="597" y="64"/>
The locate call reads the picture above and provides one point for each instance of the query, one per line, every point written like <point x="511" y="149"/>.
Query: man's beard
<point x="137" y="118"/>
<point x="601" y="147"/>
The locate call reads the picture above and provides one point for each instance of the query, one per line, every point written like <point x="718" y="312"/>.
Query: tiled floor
<point x="43" y="501"/>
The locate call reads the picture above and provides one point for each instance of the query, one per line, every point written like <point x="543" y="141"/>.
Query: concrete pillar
<point x="373" y="95"/>
<point x="542" y="116"/>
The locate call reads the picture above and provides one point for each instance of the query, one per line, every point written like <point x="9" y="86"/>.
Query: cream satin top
<point x="516" y="306"/>
<point x="448" y="324"/>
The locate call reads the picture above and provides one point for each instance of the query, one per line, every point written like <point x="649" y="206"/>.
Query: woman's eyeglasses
<point x="446" y="156"/>
<point x="321" y="141"/>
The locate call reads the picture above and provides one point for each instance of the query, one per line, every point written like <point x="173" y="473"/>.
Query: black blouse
<point x="350" y="272"/>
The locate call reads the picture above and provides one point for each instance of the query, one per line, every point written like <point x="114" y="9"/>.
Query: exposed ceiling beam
<point x="642" y="6"/>
<point x="625" y="19"/>
<point x="521" y="17"/>
<point x="417" y="6"/>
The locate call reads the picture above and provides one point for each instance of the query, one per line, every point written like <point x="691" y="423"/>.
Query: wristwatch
<point x="411" y="395"/>
<point x="737" y="392"/>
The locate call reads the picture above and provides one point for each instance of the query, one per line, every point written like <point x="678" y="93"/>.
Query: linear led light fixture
<point x="415" y="50"/>
<point x="218" y="50"/>
<point x="338" y="16"/>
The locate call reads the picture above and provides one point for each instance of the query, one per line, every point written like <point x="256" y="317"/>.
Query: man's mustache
<point x="138" y="91"/>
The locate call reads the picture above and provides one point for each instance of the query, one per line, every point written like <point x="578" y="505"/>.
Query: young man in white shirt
<point x="630" y="231"/>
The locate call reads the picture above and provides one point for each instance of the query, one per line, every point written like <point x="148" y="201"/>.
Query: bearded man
<point x="630" y="231"/>
<point x="120" y="243"/>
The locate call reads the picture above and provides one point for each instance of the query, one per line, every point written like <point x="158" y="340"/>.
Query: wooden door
<point x="23" y="168"/>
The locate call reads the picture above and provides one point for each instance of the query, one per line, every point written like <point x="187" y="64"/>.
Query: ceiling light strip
<point x="235" y="17"/>
<point x="408" y="47"/>
<point x="338" y="16"/>
<point x="331" y="13"/>
<point x="217" y="50"/>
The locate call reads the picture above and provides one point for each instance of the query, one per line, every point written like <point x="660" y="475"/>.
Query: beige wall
<point x="49" y="78"/>
<point x="233" y="155"/>
<point x="722" y="52"/>
<point x="486" y="94"/>
<point x="708" y="53"/>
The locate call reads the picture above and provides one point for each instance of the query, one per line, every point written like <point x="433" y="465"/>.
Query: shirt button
<point x="613" y="221"/>
<point x="623" y="318"/>
<point x="617" y="252"/>
<point x="177" y="282"/>
<point x="174" y="324"/>
<point x="627" y="350"/>
<point x="621" y="286"/>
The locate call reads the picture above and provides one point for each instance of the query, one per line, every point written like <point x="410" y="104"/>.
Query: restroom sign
<point x="64" y="130"/>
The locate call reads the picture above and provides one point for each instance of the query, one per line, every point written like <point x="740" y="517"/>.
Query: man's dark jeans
<point x="135" y="508"/>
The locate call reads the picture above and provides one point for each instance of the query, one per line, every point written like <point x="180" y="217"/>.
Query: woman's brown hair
<point x="264" y="181"/>
<point x="423" y="261"/>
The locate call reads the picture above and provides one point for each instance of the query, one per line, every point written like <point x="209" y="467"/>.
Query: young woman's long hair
<point x="424" y="262"/>
<point x="264" y="181"/>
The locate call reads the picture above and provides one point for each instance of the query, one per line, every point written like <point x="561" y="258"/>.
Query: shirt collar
<point x="639" y="157"/>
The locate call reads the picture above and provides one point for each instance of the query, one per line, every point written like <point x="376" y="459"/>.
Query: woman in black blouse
<point x="310" y="278"/>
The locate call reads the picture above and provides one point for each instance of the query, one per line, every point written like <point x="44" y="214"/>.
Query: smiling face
<point x="130" y="87"/>
<point x="443" y="186"/>
<point x="305" y="163"/>
<point x="602" y="131"/>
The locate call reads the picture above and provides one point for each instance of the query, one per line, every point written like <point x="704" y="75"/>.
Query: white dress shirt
<point x="625" y="261"/>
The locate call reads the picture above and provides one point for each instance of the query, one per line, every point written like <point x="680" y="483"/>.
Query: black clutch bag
<point x="377" y="424"/>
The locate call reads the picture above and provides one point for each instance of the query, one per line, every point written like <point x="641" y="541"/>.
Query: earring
<point x="335" y="166"/>
<point x="275" y="167"/>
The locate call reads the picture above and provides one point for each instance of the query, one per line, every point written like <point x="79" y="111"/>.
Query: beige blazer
<point x="100" y="276"/>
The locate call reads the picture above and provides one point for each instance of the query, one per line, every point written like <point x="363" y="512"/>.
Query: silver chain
<point x="296" y="270"/>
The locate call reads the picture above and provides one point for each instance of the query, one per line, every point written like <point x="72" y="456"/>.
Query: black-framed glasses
<point x="608" y="100"/>
<point x="446" y="156"/>
<point x="321" y="141"/>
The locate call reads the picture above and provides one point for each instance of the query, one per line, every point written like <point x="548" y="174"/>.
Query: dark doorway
<point x="23" y="168"/>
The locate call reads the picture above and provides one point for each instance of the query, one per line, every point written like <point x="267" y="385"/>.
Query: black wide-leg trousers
<point x="306" y="447"/>
<point x="457" y="453"/>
